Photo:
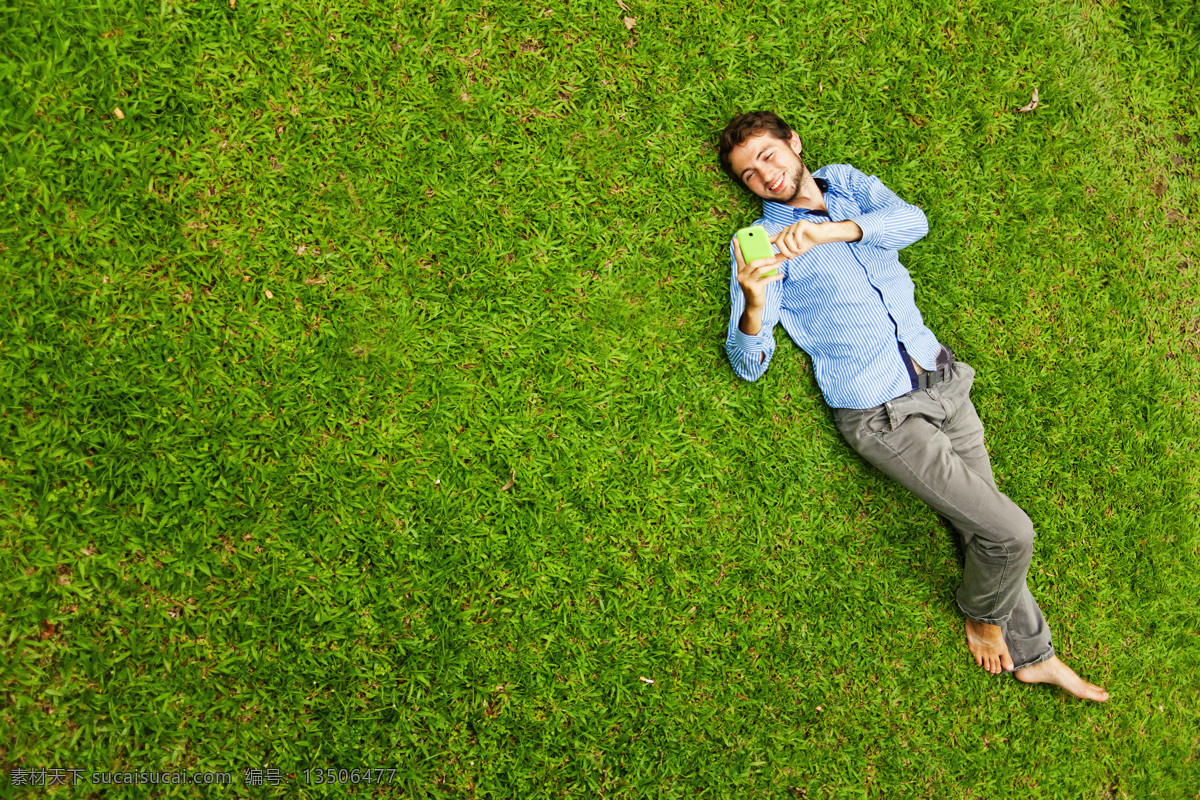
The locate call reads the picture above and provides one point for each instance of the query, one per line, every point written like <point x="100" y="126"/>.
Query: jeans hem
<point x="1034" y="662"/>
<point x="983" y="620"/>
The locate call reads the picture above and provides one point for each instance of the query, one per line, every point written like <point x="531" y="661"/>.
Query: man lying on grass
<point x="898" y="395"/>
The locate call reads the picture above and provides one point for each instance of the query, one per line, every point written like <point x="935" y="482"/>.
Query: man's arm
<point x="886" y="221"/>
<point x="753" y="314"/>
<point x="798" y="238"/>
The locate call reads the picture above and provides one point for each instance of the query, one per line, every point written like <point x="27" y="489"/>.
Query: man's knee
<point x="1019" y="533"/>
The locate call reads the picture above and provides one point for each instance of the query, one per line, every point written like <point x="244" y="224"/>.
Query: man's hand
<point x="798" y="239"/>
<point x="754" y="286"/>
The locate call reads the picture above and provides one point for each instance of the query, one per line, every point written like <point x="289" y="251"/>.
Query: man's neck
<point x="810" y="195"/>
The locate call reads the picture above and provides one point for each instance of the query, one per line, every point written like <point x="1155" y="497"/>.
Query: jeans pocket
<point x="963" y="378"/>
<point x="902" y="408"/>
<point x="877" y="420"/>
<point x="950" y="407"/>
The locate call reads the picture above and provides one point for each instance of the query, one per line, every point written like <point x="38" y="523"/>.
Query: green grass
<point x="274" y="343"/>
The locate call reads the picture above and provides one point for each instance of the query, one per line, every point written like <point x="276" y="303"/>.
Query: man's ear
<point x="795" y="143"/>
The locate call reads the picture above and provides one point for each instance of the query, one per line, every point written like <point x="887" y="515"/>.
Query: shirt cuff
<point x="872" y="229"/>
<point x="758" y="343"/>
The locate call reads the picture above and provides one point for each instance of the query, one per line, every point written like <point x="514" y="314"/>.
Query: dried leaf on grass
<point x="622" y="5"/>
<point x="1032" y="103"/>
<point x="512" y="479"/>
<point x="630" y="22"/>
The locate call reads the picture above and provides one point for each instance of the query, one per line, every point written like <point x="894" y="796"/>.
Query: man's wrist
<point x="845" y="231"/>
<point x="751" y="319"/>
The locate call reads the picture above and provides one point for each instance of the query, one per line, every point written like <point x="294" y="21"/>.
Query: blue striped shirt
<point x="846" y="304"/>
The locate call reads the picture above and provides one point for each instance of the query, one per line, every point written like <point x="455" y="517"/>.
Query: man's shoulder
<point x="836" y="173"/>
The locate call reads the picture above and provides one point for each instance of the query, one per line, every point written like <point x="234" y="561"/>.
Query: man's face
<point x="770" y="167"/>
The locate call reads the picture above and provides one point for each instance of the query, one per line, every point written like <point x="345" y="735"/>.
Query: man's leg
<point x="921" y="441"/>
<point x="906" y="440"/>
<point x="1026" y="634"/>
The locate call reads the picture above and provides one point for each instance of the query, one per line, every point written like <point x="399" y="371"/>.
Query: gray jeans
<point x="931" y="442"/>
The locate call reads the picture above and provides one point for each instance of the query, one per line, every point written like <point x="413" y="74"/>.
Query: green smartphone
<point x="756" y="244"/>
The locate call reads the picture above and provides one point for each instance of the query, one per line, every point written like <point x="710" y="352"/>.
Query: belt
<point x="943" y="372"/>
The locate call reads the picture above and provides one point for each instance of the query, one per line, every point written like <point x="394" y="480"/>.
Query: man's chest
<point x="840" y="274"/>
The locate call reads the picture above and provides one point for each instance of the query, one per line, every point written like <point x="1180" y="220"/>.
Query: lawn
<point x="365" y="402"/>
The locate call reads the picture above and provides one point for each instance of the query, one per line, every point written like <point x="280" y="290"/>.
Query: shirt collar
<point x="784" y="214"/>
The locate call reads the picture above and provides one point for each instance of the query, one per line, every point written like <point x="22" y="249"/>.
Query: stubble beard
<point x="797" y="176"/>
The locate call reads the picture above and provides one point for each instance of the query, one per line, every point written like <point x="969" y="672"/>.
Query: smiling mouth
<point x="777" y="185"/>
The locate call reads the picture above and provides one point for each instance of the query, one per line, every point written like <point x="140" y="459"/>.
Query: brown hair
<point x="741" y="128"/>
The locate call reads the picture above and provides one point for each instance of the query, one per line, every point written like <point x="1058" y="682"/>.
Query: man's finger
<point x="786" y="241"/>
<point x="766" y="263"/>
<point x="759" y="278"/>
<point x="760" y="274"/>
<point x="789" y="229"/>
<point x="737" y="254"/>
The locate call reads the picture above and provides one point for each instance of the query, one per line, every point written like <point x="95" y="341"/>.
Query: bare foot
<point x="988" y="647"/>
<point x="1056" y="672"/>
